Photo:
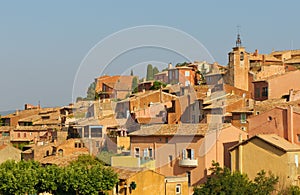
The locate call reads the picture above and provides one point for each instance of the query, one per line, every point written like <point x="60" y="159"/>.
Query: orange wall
<point x="280" y="86"/>
<point x="212" y="147"/>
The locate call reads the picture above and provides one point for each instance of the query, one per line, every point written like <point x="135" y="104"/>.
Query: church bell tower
<point x="238" y="66"/>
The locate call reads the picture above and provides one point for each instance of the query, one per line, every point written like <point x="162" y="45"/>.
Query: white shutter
<point x="183" y="154"/>
<point x="192" y="154"/>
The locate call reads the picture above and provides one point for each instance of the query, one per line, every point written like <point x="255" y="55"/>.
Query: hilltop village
<point x="161" y="134"/>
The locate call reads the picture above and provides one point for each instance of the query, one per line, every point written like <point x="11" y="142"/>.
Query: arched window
<point x="242" y="56"/>
<point x="60" y="152"/>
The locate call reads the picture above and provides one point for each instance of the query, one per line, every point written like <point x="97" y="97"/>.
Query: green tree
<point x="134" y="84"/>
<point x="49" y="178"/>
<point x="292" y="190"/>
<point x="222" y="181"/>
<point x="155" y="71"/>
<point x="87" y="175"/>
<point x="91" y="93"/>
<point x="157" y="85"/>
<point x="181" y="64"/>
<point x="149" y="75"/>
<point x="19" y="178"/>
<point x="264" y="184"/>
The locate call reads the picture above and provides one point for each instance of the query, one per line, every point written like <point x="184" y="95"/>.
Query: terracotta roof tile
<point x="274" y="140"/>
<point x="127" y="172"/>
<point x="177" y="129"/>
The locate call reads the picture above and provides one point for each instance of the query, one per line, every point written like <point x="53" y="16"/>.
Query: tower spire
<point x="238" y="41"/>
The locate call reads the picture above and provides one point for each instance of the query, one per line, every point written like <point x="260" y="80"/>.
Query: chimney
<point x="290" y="124"/>
<point x="240" y="154"/>
<point x="160" y="95"/>
<point x="240" y="138"/>
<point x="291" y="93"/>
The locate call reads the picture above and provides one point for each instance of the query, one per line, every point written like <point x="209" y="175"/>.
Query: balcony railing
<point x="188" y="162"/>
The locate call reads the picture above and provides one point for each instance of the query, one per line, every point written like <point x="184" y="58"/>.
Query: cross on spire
<point x="238" y="40"/>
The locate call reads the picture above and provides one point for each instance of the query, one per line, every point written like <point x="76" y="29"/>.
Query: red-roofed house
<point x="114" y="86"/>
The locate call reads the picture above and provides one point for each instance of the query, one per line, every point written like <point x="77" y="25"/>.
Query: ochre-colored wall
<point x="257" y="155"/>
<point x="171" y="187"/>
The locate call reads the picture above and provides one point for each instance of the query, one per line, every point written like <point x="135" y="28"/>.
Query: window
<point x="170" y="160"/>
<point x="146" y="152"/>
<point x="187" y="73"/>
<point x="188" y="154"/>
<point x="137" y="152"/>
<point x="19" y="135"/>
<point x="188" y="174"/>
<point x="242" y="56"/>
<point x="150" y="152"/>
<point x="167" y="140"/>
<point x="264" y="92"/>
<point x="60" y="152"/>
<point x="86" y="132"/>
<point x="243" y="118"/>
<point x="298" y="136"/>
<point x="96" y="132"/>
<point x="178" y="189"/>
<point x="24" y="134"/>
<point x="176" y="75"/>
<point x="257" y="92"/>
<point x="187" y="83"/>
<point x="76" y="145"/>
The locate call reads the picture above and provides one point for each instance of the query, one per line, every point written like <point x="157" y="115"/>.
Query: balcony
<point x="188" y="162"/>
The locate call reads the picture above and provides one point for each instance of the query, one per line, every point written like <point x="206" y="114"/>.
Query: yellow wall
<point x="124" y="161"/>
<point x="257" y="155"/>
<point x="171" y="187"/>
<point x="129" y="161"/>
<point x="147" y="182"/>
<point x="123" y="142"/>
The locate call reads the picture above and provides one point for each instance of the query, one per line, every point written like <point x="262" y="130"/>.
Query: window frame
<point x="178" y="189"/>
<point x="243" y="118"/>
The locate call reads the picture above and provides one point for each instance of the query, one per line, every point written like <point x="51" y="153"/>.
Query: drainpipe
<point x="240" y="160"/>
<point x="160" y="95"/>
<point x="290" y="123"/>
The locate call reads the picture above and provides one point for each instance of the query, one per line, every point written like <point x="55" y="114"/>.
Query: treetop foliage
<point x="222" y="181"/>
<point x="87" y="175"/>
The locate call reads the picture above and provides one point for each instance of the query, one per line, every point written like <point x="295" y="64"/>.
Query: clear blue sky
<point x="42" y="43"/>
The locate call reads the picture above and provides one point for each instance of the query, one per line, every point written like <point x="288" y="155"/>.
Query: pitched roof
<point x="276" y="76"/>
<point x="184" y="129"/>
<point x="295" y="60"/>
<point x="222" y="102"/>
<point x="61" y="160"/>
<point x="116" y="82"/>
<point x="273" y="140"/>
<point x="3" y="146"/>
<point x="127" y="172"/>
